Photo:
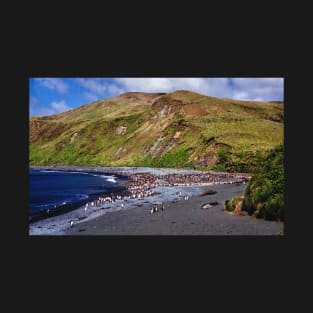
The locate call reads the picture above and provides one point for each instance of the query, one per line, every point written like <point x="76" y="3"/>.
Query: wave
<point x="82" y="196"/>
<point x="56" y="204"/>
<point x="48" y="171"/>
<point x="110" y="178"/>
<point x="45" y="205"/>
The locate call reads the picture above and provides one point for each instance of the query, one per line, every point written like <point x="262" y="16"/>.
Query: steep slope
<point x="181" y="128"/>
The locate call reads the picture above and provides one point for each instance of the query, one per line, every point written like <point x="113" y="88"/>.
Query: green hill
<point x="178" y="129"/>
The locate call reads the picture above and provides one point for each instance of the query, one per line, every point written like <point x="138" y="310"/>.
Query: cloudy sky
<point x="54" y="95"/>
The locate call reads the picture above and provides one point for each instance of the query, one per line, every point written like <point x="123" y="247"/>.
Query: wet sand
<point x="180" y="217"/>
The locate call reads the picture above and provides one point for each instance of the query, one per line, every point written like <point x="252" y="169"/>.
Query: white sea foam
<point x="82" y="196"/>
<point x="111" y="180"/>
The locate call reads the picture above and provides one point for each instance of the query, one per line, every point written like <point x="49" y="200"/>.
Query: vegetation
<point x="230" y="205"/>
<point x="264" y="195"/>
<point x="241" y="162"/>
<point x="179" y="129"/>
<point x="177" y="157"/>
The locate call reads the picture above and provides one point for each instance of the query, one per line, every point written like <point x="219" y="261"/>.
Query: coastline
<point x="67" y="206"/>
<point x="180" y="217"/>
<point x="120" y="170"/>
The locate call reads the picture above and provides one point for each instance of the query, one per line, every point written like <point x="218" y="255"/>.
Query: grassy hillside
<point x="179" y="129"/>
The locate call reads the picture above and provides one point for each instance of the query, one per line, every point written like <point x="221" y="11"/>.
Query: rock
<point x="120" y="130"/>
<point x="73" y="137"/>
<point x="208" y="192"/>
<point x="177" y="134"/>
<point x="206" y="206"/>
<point x="213" y="203"/>
<point x="238" y="208"/>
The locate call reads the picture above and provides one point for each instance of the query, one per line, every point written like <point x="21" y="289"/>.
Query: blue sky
<point x="55" y="95"/>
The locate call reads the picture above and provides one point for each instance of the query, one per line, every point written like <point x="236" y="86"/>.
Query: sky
<point x="55" y="95"/>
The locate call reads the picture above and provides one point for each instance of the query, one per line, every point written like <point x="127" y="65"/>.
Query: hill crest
<point x="175" y="129"/>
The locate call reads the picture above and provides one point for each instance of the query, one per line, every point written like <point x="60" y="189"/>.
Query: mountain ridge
<point x="176" y="129"/>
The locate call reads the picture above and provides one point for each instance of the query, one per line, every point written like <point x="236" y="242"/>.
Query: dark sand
<point x="180" y="217"/>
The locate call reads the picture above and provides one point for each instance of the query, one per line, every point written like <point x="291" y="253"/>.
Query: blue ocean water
<point x="55" y="192"/>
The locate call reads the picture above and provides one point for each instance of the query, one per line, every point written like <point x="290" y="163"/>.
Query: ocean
<point x="55" y="192"/>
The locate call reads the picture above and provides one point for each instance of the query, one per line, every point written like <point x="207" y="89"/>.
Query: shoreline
<point x="179" y="217"/>
<point x="128" y="170"/>
<point x="132" y="216"/>
<point x="70" y="206"/>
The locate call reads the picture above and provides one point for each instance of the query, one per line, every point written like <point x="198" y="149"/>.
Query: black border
<point x="216" y="61"/>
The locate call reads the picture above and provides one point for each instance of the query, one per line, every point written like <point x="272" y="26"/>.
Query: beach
<point x="180" y="217"/>
<point x="182" y="212"/>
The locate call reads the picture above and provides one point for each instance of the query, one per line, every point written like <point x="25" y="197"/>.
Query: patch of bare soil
<point x="194" y="110"/>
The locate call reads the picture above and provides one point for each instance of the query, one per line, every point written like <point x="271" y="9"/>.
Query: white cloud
<point x="209" y="86"/>
<point x="99" y="88"/>
<point x="56" y="84"/>
<point x="60" y="106"/>
<point x="236" y="88"/>
<point x="259" y="88"/>
<point x="114" y="90"/>
<point x="259" y="82"/>
<point x="94" y="85"/>
<point x="90" y="96"/>
<point x="92" y="89"/>
<point x="240" y="95"/>
<point x="147" y="84"/>
<point x="36" y="110"/>
<point x="55" y="107"/>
